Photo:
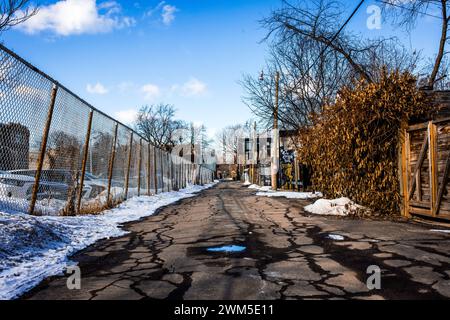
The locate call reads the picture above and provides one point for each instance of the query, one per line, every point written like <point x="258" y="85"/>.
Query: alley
<point x="288" y="254"/>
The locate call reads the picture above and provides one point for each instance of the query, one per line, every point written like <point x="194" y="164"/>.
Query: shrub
<point x="352" y="145"/>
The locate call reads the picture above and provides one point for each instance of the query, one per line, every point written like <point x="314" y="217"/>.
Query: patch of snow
<point x="336" y="237"/>
<point x="263" y="188"/>
<point x="337" y="207"/>
<point x="438" y="230"/>
<point x="291" y="195"/>
<point x="33" y="248"/>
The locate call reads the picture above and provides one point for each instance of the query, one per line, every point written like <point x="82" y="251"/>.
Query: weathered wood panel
<point x="427" y="169"/>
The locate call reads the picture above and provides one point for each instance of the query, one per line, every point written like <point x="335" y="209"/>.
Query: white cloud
<point x="67" y="17"/>
<point x="97" y="88"/>
<point x="151" y="91"/>
<point x="168" y="14"/>
<point x="193" y="87"/>
<point x="126" y="116"/>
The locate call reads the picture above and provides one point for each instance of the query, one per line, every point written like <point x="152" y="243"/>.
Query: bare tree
<point x="406" y="14"/>
<point x="308" y="81"/>
<point x="230" y="139"/>
<point x="321" y="21"/>
<point x="14" y="12"/>
<point x="63" y="151"/>
<point x="157" y="124"/>
<point x="315" y="58"/>
<point x="200" y="142"/>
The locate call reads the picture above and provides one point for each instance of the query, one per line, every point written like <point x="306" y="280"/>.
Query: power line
<point x="348" y="20"/>
<point x="409" y="9"/>
<point x="322" y="52"/>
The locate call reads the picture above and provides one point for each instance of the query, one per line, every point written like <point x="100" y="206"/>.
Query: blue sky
<point x="120" y="55"/>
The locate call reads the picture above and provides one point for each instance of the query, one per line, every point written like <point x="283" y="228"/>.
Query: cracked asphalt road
<point x="288" y="255"/>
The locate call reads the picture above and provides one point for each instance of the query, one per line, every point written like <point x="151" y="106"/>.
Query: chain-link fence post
<point x="127" y="177"/>
<point x="41" y="157"/>
<point x="139" y="167"/>
<point x="155" y="170"/>
<point x="166" y="160"/>
<point x="148" y="169"/>
<point x="84" y="161"/>
<point x="183" y="174"/>
<point x="111" y="165"/>
<point x="169" y="162"/>
<point x="171" y="171"/>
<point x="162" y="169"/>
<point x="180" y="174"/>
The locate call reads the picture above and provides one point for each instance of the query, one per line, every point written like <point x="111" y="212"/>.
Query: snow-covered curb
<point x="291" y="195"/>
<point x="34" y="248"/>
<point x="336" y="207"/>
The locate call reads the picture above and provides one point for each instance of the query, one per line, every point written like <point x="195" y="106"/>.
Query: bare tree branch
<point x="14" y="12"/>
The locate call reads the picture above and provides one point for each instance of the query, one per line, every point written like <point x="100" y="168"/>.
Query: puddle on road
<point x="229" y="248"/>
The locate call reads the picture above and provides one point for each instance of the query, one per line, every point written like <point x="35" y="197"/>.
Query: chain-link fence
<point x="61" y="156"/>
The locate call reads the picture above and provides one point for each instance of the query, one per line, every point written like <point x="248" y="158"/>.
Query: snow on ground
<point x="439" y="230"/>
<point x="336" y="237"/>
<point x="266" y="191"/>
<point x="291" y="195"/>
<point x="33" y="248"/>
<point x="338" y="207"/>
<point x="263" y="188"/>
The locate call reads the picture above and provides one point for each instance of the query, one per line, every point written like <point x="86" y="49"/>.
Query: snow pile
<point x="336" y="237"/>
<point x="337" y="207"/>
<point x="33" y="248"/>
<point x="291" y="195"/>
<point x="263" y="188"/>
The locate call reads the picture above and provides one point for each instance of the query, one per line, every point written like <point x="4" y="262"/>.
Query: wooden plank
<point x="424" y="125"/>
<point x="444" y="216"/>
<point x="419" y="126"/>
<point x="421" y="211"/>
<point x="404" y="149"/>
<point x="420" y="204"/>
<point x="432" y="156"/>
<point x="447" y="119"/>
<point x="419" y="184"/>
<point x="418" y="165"/>
<point x="407" y="171"/>
<point x="442" y="186"/>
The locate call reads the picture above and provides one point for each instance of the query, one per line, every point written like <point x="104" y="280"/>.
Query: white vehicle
<point x="21" y="186"/>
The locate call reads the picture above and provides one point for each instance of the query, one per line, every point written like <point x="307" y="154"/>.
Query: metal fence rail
<point x="60" y="155"/>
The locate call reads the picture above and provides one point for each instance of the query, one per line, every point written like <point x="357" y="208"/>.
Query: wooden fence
<point x="425" y="169"/>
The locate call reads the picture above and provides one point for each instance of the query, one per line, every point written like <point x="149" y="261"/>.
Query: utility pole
<point x="255" y="155"/>
<point x="275" y="137"/>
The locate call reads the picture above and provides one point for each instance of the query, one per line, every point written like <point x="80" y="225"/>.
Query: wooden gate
<point x="426" y="169"/>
